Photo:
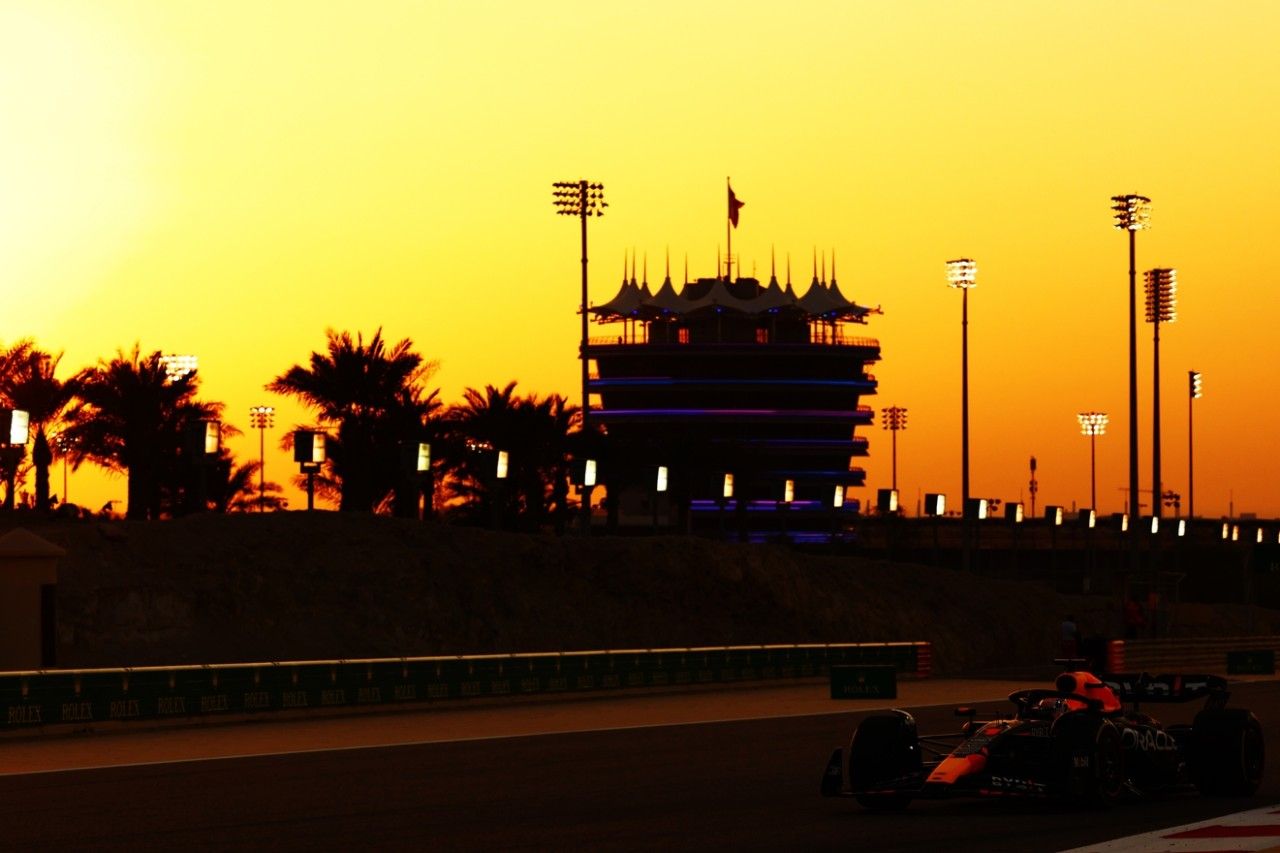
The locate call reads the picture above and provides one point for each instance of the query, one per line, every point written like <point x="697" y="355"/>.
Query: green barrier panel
<point x="864" y="682"/>
<point x="1252" y="662"/>
<point x="85" y="697"/>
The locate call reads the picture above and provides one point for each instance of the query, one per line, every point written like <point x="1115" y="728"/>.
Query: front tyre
<point x="1089" y="754"/>
<point x="885" y="749"/>
<point x="1227" y="755"/>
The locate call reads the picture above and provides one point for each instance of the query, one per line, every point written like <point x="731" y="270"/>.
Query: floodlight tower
<point x="1193" y="382"/>
<point x="1093" y="424"/>
<point x="1162" y="300"/>
<point x="582" y="199"/>
<point x="262" y="418"/>
<point x="962" y="274"/>
<point x="895" y="420"/>
<point x="1133" y="214"/>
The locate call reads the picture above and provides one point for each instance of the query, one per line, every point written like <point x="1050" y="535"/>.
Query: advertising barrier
<point x="86" y="696"/>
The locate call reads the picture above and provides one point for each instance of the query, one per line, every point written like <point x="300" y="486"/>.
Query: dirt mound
<point x="281" y="586"/>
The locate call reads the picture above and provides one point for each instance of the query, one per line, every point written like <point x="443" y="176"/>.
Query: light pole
<point x="1162" y="299"/>
<point x="1093" y="424"/>
<point x="262" y="418"/>
<point x="1193" y="382"/>
<point x="895" y="419"/>
<point x="1133" y="214"/>
<point x="64" y="443"/>
<point x="309" y="453"/>
<point x="963" y="274"/>
<point x="582" y="199"/>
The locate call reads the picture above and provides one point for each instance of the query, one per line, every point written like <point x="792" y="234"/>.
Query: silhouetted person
<point x="1134" y="619"/>
<point x="1070" y="637"/>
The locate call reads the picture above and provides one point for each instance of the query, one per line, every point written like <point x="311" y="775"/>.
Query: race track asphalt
<point x="745" y="784"/>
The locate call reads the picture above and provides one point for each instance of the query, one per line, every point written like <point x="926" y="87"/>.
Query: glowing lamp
<point x="789" y="491"/>
<point x="1132" y="212"/>
<point x="1014" y="512"/>
<point x="976" y="508"/>
<point x="1259" y="535"/>
<point x="1053" y="515"/>
<point x="962" y="273"/>
<point x="1235" y="533"/>
<point x="661" y="485"/>
<point x="1193" y="380"/>
<point x="887" y="500"/>
<point x="177" y="366"/>
<point x="935" y="504"/>
<point x="1153" y="524"/>
<point x="15" y="427"/>
<point x="1093" y="423"/>
<point x="308" y="447"/>
<point x="1087" y="518"/>
<point x="1122" y="521"/>
<point x="503" y="460"/>
<point x="1162" y="295"/>
<point x="588" y="471"/>
<point x="1182" y="527"/>
<point x="837" y="499"/>
<point x="727" y="490"/>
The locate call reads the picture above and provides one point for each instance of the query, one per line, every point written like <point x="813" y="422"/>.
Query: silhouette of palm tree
<point x="235" y="488"/>
<point x="535" y="434"/>
<point x="375" y="396"/>
<point x="129" y="417"/>
<point x="27" y="382"/>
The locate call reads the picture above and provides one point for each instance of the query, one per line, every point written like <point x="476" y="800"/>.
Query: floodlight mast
<point x="582" y="199"/>
<point x="895" y="419"/>
<point x="262" y="418"/>
<point x="1093" y="424"/>
<point x="1162" y="299"/>
<point x="1195" y="388"/>
<point x="962" y="274"/>
<point x="1132" y="214"/>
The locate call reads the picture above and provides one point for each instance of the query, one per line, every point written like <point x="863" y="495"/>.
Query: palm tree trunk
<point x="42" y="457"/>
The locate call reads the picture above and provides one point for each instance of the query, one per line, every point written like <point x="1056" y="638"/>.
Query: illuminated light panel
<point x="503" y="460"/>
<point x="1093" y="423"/>
<point x="1132" y="212"/>
<point x="862" y="413"/>
<point x="661" y="485"/>
<point x="1162" y="295"/>
<point x="588" y="473"/>
<point x="962" y="273"/>
<point x="663" y="382"/>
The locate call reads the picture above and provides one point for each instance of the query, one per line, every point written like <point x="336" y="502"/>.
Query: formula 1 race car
<point x="1076" y="742"/>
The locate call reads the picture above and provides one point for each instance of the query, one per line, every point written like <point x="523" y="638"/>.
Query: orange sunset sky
<point x="230" y="178"/>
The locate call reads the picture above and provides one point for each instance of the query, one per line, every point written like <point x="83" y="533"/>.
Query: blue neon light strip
<point x="665" y="381"/>
<point x="829" y="414"/>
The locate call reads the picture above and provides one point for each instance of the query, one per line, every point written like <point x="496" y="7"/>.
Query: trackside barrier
<point x="1198" y="654"/>
<point x="83" y="696"/>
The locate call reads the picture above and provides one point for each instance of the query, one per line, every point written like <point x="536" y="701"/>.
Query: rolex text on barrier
<point x="864" y="682"/>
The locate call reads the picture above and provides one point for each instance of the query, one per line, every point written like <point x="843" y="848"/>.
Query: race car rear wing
<point x="1142" y="687"/>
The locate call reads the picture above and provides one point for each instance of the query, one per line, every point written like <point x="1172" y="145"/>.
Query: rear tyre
<point x="1089" y="754"/>
<point x="885" y="748"/>
<point x="1227" y="755"/>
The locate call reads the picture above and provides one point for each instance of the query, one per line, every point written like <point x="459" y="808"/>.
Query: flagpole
<point x="728" y="235"/>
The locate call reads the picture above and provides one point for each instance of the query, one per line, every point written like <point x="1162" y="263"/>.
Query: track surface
<point x="737" y="785"/>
